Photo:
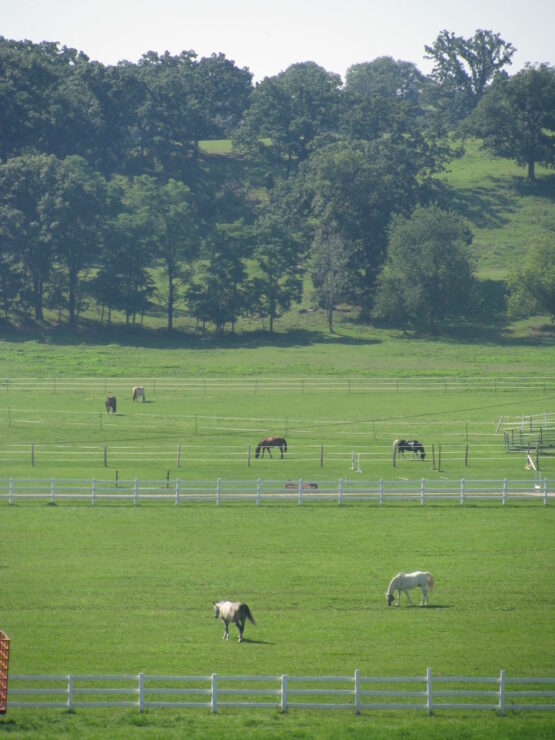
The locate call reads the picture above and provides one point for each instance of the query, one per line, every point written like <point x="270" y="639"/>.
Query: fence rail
<point x="298" y="491"/>
<point x="213" y="692"/>
<point x="267" y="384"/>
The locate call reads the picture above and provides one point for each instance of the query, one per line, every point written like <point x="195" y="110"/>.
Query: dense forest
<point x="110" y="197"/>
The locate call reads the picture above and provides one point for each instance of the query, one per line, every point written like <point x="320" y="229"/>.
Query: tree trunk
<point x="531" y="170"/>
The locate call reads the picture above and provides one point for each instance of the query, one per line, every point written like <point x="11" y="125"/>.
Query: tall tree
<point x="287" y="112"/>
<point x="516" y="118"/>
<point x="531" y="283"/>
<point x="28" y="221"/>
<point x="463" y="68"/>
<point x="329" y="262"/>
<point x="428" y="272"/>
<point x="277" y="278"/>
<point x="388" y="78"/>
<point x="76" y="210"/>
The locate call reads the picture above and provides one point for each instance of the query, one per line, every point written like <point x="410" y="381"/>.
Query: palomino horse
<point x="111" y="404"/>
<point x="404" y="581"/>
<point x="233" y="611"/>
<point x="268" y="442"/>
<point x="413" y="445"/>
<point x="138" y="392"/>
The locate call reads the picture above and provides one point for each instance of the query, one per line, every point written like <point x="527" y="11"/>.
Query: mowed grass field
<point x="62" y="430"/>
<point x="122" y="589"/>
<point x="117" y="588"/>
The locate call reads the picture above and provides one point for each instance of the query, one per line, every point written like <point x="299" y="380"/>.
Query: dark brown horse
<point x="268" y="442"/>
<point x="111" y="404"/>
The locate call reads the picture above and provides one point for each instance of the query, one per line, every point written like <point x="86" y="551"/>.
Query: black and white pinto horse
<point x="265" y="444"/>
<point x="138" y="392"/>
<point x="111" y="404"/>
<point x="413" y="445"/>
<point x="404" y="581"/>
<point x="233" y="611"/>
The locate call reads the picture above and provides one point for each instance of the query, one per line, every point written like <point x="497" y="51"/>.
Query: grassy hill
<point x="506" y="213"/>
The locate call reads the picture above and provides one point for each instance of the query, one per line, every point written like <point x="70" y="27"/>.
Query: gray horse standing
<point x="233" y="611"/>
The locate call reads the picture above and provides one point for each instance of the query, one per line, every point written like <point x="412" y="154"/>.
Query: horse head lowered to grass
<point x="265" y="444"/>
<point x="405" y="581"/>
<point x="411" y="445"/>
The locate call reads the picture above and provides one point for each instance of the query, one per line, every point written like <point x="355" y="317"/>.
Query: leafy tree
<point x="358" y="186"/>
<point x="287" y="112"/>
<point x="428" y="273"/>
<point x="463" y="68"/>
<point x="123" y="281"/>
<point x="387" y="78"/>
<point x="531" y="284"/>
<point x="277" y="280"/>
<point x="76" y="207"/>
<point x="516" y="117"/>
<point x="329" y="260"/>
<point x="27" y="223"/>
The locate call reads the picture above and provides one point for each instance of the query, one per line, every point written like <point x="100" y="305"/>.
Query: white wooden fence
<point x="268" y="384"/>
<point x="356" y="693"/>
<point x="299" y="491"/>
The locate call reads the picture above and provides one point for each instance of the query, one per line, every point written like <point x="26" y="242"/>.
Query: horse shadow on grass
<point x="257" y="642"/>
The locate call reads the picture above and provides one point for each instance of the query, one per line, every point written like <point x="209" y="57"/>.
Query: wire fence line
<point x="356" y="693"/>
<point x="266" y="384"/>
<point x="341" y="491"/>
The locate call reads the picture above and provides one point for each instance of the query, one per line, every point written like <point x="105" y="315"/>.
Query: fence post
<point x="219" y="491"/>
<point x="466" y="456"/>
<point x="545" y="492"/>
<point x="213" y="698"/>
<point x="249" y="457"/>
<point x="357" y="691"/>
<point x="136" y="492"/>
<point x="439" y="459"/>
<point x="321" y="456"/>
<point x="462" y="491"/>
<point x="178" y="454"/>
<point x="11" y="491"/>
<point x="93" y="491"/>
<point x="177" y="492"/>
<point x="105" y="456"/>
<point x="258" y="485"/>
<point x="340" y="491"/>
<point x="69" y="692"/>
<point x="283" y="703"/>
<point x="300" y="491"/>
<point x="141" y="692"/>
<point x="422" y="492"/>
<point x="502" y="692"/>
<point x="429" y="690"/>
<point x="32" y="455"/>
<point x="53" y="491"/>
<point x="504" y="495"/>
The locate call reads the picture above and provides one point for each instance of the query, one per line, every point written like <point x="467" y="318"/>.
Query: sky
<point x="267" y="36"/>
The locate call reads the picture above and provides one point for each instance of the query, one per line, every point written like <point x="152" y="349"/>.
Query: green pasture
<point x="117" y="589"/>
<point x="55" y="431"/>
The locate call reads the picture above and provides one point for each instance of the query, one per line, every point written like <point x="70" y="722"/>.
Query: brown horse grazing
<point x="268" y="442"/>
<point x="111" y="404"/>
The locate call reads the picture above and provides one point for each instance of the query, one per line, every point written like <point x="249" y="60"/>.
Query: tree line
<point x="107" y="197"/>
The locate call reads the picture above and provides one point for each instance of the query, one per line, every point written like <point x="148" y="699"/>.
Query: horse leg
<point x="398" y="597"/>
<point x="281" y="450"/>
<point x="226" y="633"/>
<point x="241" y="627"/>
<point x="424" y="597"/>
<point x="269" y="451"/>
<point x="408" y="597"/>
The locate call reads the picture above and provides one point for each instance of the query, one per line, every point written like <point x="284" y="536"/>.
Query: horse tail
<point x="248" y="614"/>
<point x="430" y="581"/>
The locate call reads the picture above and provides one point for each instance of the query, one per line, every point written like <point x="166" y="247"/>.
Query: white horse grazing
<point x="233" y="611"/>
<point x="404" y="581"/>
<point x="138" y="392"/>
